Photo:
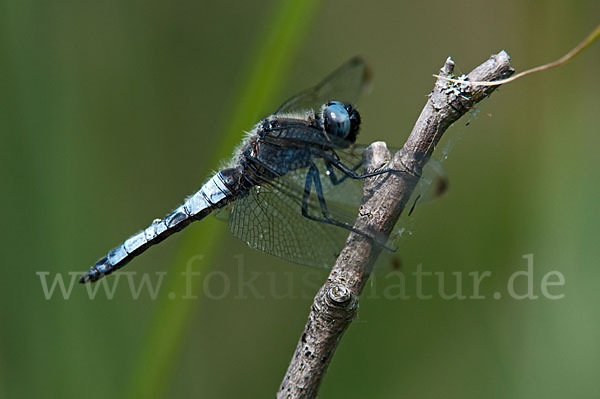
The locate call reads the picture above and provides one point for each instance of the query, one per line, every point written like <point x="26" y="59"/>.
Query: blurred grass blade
<point x="162" y="345"/>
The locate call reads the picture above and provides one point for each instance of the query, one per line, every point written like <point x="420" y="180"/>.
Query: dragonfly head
<point x="341" y="121"/>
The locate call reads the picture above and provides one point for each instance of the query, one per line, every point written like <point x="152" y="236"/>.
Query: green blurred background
<point x="107" y="102"/>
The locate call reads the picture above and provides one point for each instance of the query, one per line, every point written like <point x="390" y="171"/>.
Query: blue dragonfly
<point x="292" y="187"/>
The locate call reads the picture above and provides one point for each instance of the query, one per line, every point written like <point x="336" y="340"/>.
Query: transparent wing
<point x="345" y="84"/>
<point x="224" y="213"/>
<point x="434" y="179"/>
<point x="270" y="219"/>
<point x="433" y="183"/>
<point x="347" y="195"/>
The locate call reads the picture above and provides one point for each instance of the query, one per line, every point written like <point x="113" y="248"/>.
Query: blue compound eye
<point x="337" y="119"/>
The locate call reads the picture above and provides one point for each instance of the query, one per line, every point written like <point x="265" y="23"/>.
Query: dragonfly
<point x="292" y="187"/>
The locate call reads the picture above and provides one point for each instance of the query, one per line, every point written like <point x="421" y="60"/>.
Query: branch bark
<point x="385" y="197"/>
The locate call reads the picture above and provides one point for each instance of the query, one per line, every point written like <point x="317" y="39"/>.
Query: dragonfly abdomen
<point x="216" y="193"/>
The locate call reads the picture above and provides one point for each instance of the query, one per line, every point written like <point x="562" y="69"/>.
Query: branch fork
<point x="384" y="198"/>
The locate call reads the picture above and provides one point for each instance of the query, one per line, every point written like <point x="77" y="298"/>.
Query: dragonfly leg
<point x="351" y="172"/>
<point x="312" y="177"/>
<point x="331" y="172"/>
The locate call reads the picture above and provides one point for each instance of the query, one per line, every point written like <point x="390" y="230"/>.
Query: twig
<point x="562" y="60"/>
<point x="384" y="199"/>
